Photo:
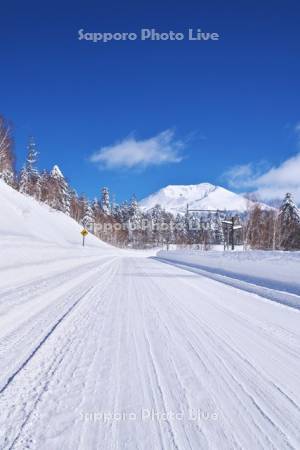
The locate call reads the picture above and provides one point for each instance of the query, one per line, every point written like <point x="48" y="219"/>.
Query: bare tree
<point x="7" y="158"/>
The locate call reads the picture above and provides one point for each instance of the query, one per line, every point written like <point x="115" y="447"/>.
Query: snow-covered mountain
<point x="174" y="198"/>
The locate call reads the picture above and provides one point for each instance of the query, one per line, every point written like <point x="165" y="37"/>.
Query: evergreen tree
<point x="59" y="194"/>
<point x="32" y="156"/>
<point x="113" y="205"/>
<point x="24" y="181"/>
<point x="96" y="208"/>
<point x="167" y="228"/>
<point x="180" y="231"/>
<point x="289" y="212"/>
<point x="135" y="232"/>
<point x="157" y="220"/>
<point x="148" y="232"/>
<point x="123" y="212"/>
<point x="105" y="202"/>
<point x="88" y="215"/>
<point x="134" y="207"/>
<point x="218" y="230"/>
<point x="289" y="220"/>
<point x="30" y="180"/>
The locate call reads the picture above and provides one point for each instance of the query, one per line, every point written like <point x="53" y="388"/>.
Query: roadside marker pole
<point x="84" y="233"/>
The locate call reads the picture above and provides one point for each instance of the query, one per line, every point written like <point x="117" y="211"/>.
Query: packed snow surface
<point x="174" y="198"/>
<point x="108" y="349"/>
<point x="266" y="269"/>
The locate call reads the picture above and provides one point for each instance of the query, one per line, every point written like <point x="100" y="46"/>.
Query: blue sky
<point x="138" y="115"/>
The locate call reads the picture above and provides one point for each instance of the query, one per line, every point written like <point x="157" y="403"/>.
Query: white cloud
<point x="297" y="131"/>
<point x="240" y="176"/>
<point x="132" y="153"/>
<point x="270" y="184"/>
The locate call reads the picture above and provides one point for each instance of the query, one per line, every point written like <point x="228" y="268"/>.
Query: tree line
<point x="126" y="224"/>
<point x="273" y="229"/>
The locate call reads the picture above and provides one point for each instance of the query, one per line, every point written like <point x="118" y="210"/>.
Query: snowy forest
<point x="127" y="225"/>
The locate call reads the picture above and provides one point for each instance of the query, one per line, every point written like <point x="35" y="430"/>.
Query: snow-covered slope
<point x="174" y="198"/>
<point x="37" y="241"/>
<point x="25" y="217"/>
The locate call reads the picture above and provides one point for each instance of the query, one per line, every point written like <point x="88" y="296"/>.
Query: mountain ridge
<point x="175" y="198"/>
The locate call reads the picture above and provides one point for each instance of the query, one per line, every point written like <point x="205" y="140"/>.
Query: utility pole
<point x="232" y="233"/>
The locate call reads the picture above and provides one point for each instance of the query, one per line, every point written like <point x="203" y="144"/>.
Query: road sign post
<point x="84" y="233"/>
<point x="231" y="229"/>
<point x="232" y="233"/>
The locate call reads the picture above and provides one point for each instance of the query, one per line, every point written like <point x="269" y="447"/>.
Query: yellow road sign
<point x="84" y="232"/>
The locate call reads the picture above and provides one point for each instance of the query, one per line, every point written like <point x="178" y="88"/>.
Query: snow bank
<point x="22" y="216"/>
<point x="277" y="270"/>
<point x="37" y="240"/>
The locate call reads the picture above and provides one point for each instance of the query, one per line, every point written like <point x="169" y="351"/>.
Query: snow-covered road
<point x="131" y="353"/>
